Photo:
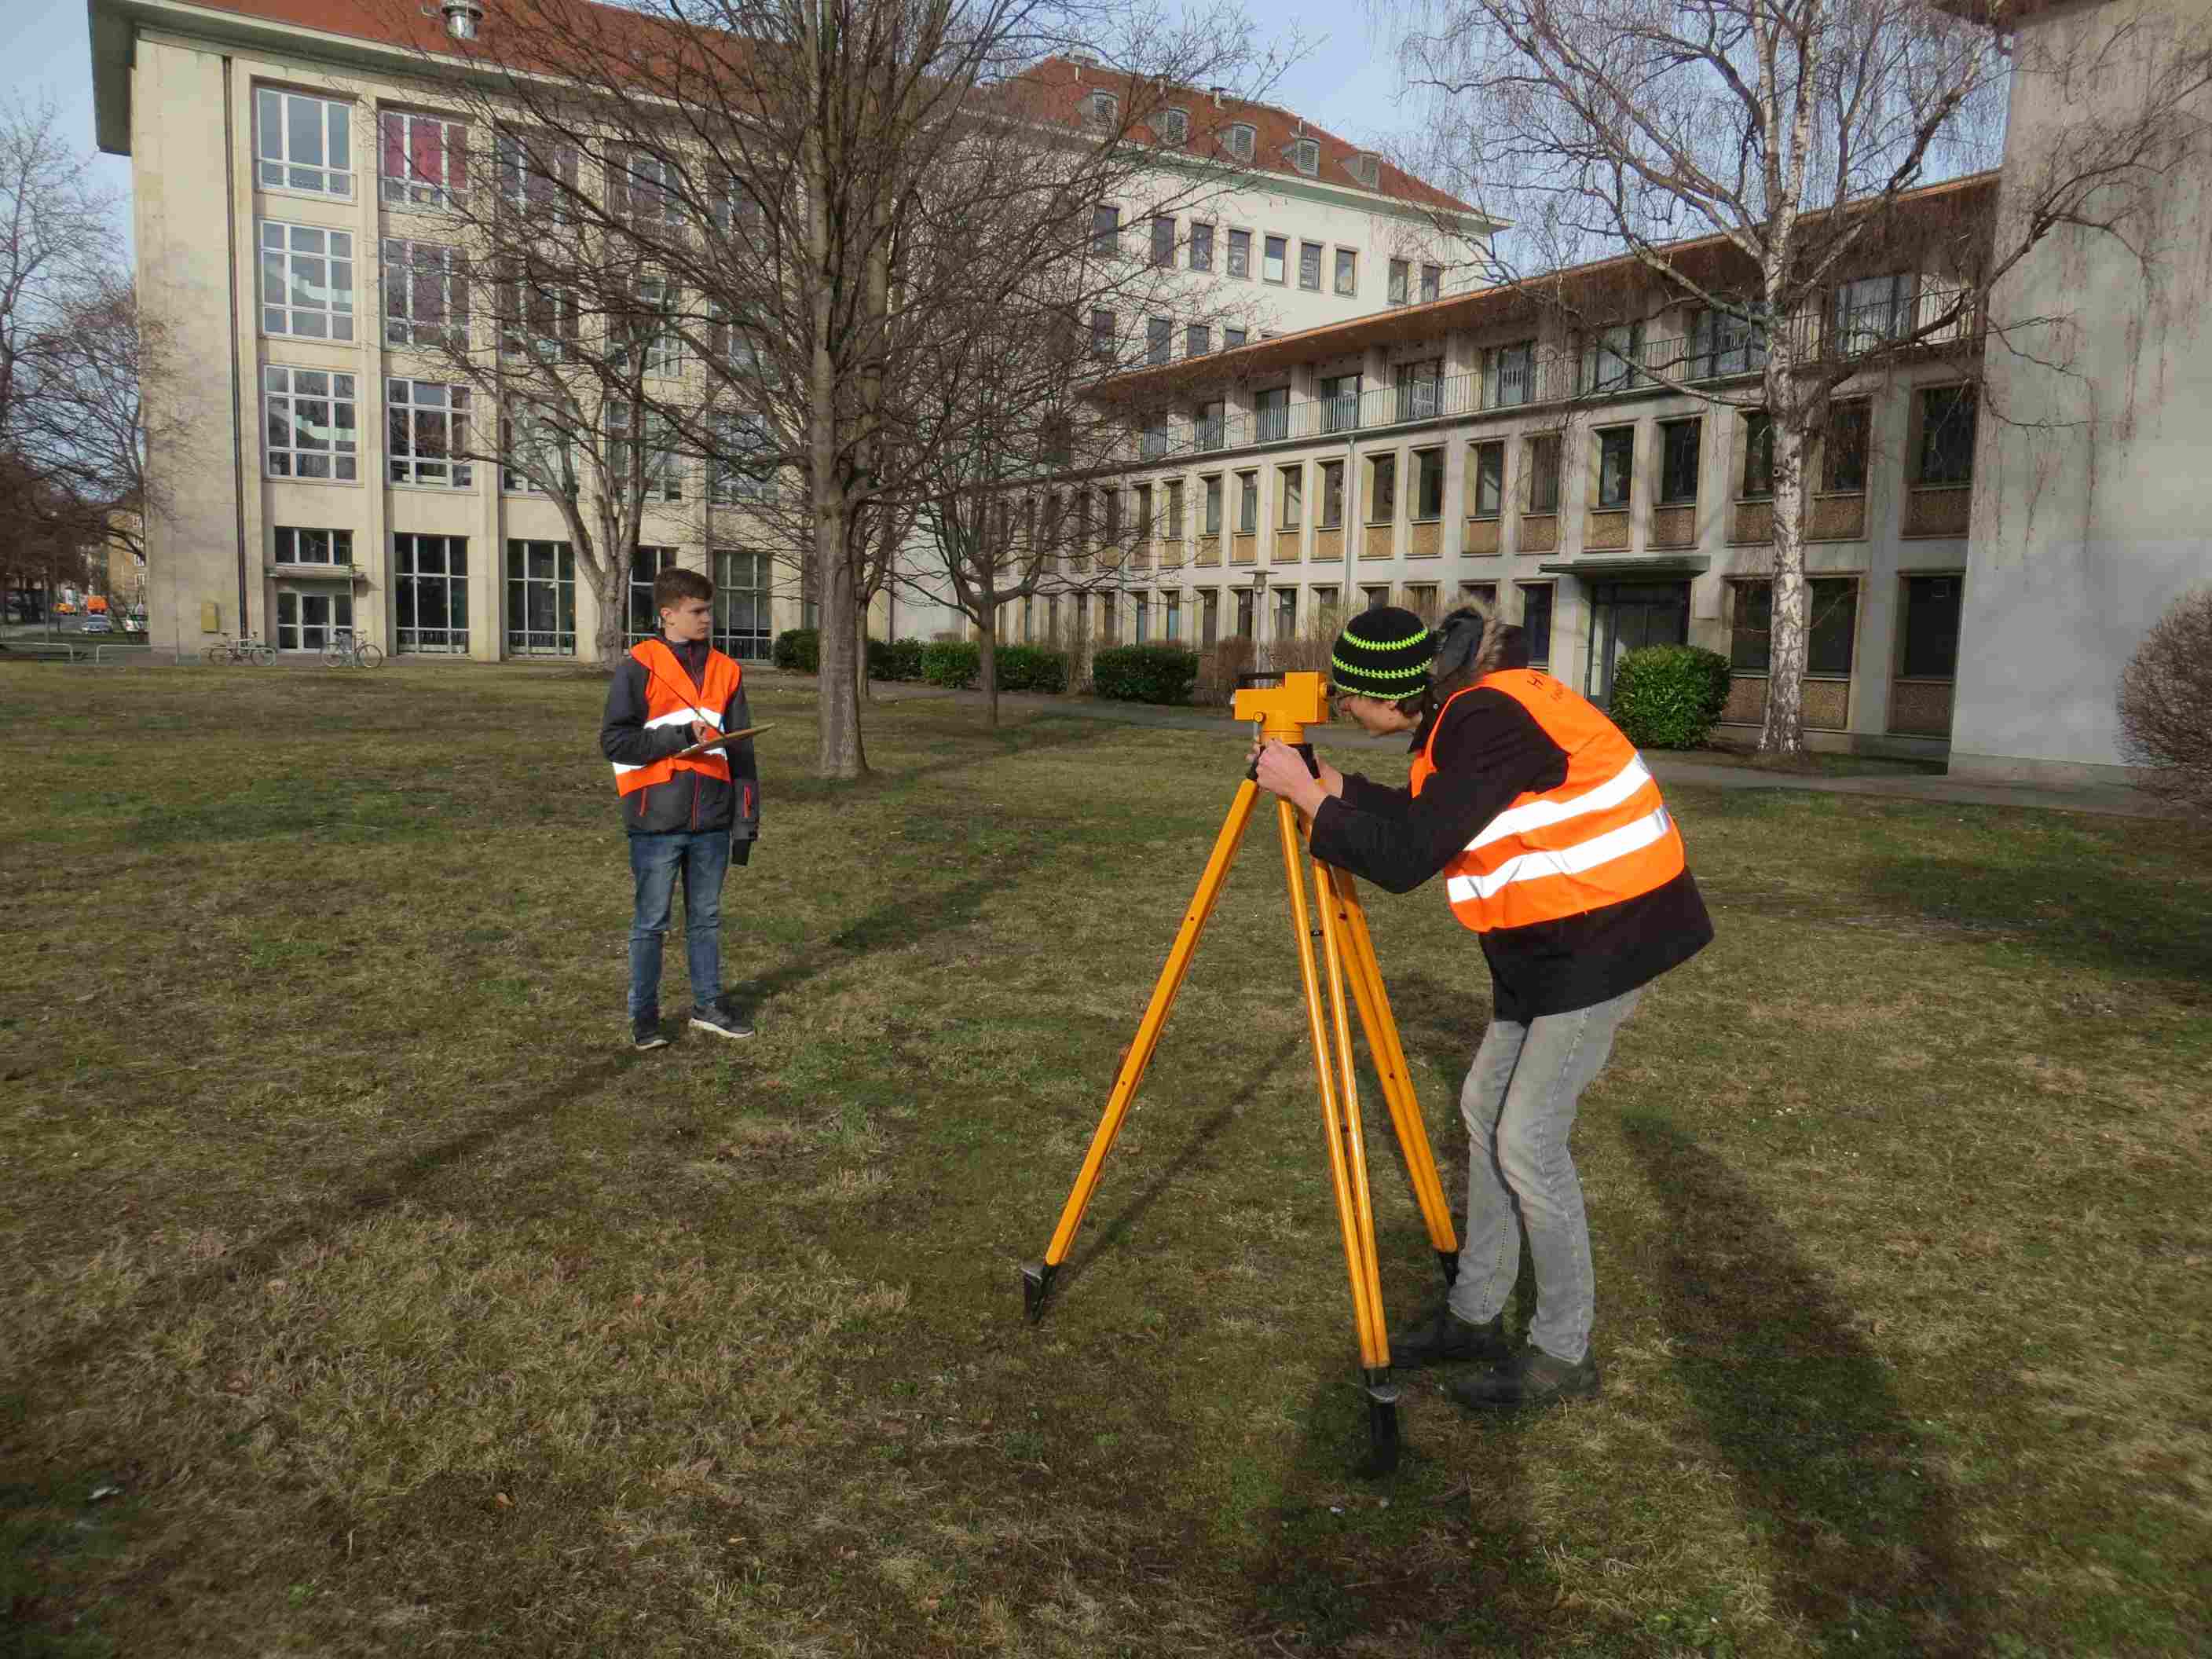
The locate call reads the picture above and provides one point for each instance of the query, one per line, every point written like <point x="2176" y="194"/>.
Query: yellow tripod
<point x="1284" y="710"/>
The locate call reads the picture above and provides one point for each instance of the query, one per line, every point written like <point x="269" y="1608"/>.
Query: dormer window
<point x="1100" y="109"/>
<point x="1242" y="137"/>
<point x="1367" y="167"/>
<point x="1172" y="126"/>
<point x="1306" y="156"/>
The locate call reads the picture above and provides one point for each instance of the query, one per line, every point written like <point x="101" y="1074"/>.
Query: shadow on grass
<point x="1862" y="1535"/>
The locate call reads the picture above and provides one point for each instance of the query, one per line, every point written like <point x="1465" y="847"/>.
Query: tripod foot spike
<point x="1448" y="1261"/>
<point x="1036" y="1285"/>
<point x="1382" y="1426"/>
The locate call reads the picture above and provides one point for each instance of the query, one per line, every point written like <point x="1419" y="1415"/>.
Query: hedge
<point x="1145" y="673"/>
<point x="1031" y="668"/>
<point x="798" y="649"/>
<point x="950" y="662"/>
<point x="1669" y="696"/>
<point x="893" y="659"/>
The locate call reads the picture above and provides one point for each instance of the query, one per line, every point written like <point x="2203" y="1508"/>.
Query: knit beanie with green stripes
<point x="1383" y="653"/>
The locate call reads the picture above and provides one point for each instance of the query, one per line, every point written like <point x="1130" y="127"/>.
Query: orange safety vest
<point x="1602" y="837"/>
<point x="671" y="699"/>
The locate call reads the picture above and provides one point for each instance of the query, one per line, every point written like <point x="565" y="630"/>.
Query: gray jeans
<point x="1519" y="1103"/>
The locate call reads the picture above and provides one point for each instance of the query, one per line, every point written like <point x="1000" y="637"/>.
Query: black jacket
<point x="689" y="800"/>
<point x="1489" y="751"/>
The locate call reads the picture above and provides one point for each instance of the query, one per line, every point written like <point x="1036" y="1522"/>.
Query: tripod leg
<point x="1037" y="1276"/>
<point x="1389" y="1057"/>
<point x="1347" y="1156"/>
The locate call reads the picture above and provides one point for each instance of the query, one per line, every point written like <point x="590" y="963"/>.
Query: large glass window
<point x="742" y="622"/>
<point x="1331" y="495"/>
<point x="1612" y="357"/>
<point x="1616" y="466"/>
<point x="1420" y="389"/>
<point x="1428" y="483"/>
<point x="1946" y="435"/>
<point x="430" y="592"/>
<point x="302" y="142"/>
<point x="1488" y="475"/>
<point x="537" y="320"/>
<point x="1271" y="415"/>
<point x="308" y="415"/>
<point x="541" y="600"/>
<point x="1382" y="489"/>
<point x="1212" y="504"/>
<point x="645" y="189"/>
<point x="1678" y="462"/>
<point x="537" y="175"/>
<point x="422" y="160"/>
<point x="299" y="546"/>
<point x="1873" y="310"/>
<point x="650" y="465"/>
<point x="537" y="458"/>
<point x="1830" y="643"/>
<point x="1757" y="455"/>
<point x="1209" y="618"/>
<point x="1247" y="502"/>
<point x="1536" y="622"/>
<point x="1542" y="456"/>
<point x="743" y="468"/>
<point x="650" y="327"/>
<point x="1289" y="490"/>
<point x="1339" y="403"/>
<point x="307" y="617"/>
<point x="426" y="294"/>
<point x="1931" y="627"/>
<point x="427" y="432"/>
<point x="306" y="282"/>
<point x="1843" y="452"/>
<point x="1172" y="603"/>
<point x="1509" y="374"/>
<point x="1197" y="339"/>
<point x="643" y="622"/>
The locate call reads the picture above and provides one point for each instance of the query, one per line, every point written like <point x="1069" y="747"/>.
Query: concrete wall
<point x="2084" y="532"/>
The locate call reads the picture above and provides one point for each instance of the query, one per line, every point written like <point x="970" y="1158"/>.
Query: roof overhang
<point x="1685" y="564"/>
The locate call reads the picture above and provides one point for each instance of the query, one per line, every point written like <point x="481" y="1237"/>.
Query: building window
<point x="1271" y="415"/>
<point x="1240" y="254"/>
<point x="541" y="600"/>
<point x="1347" y="271"/>
<point x="1420" y="389"/>
<point x="1323" y="618"/>
<point x="430" y="594"/>
<point x="1104" y="334"/>
<point x="1331" y="495"/>
<point x="1482" y="593"/>
<point x="1152" y="441"/>
<point x="1377" y="596"/>
<point x="422" y="160"/>
<point x="1290" y="496"/>
<point x="1159" y="340"/>
<point x="1829" y="643"/>
<point x="306" y="282"/>
<point x="1339" y="403"/>
<point x="1247" y="503"/>
<point x="1382" y="489"/>
<point x="1173" y="528"/>
<point x="649" y="464"/>
<point x="1428" y="483"/>
<point x="1542" y="456"/>
<point x="649" y="324"/>
<point x="329" y="547"/>
<point x="1286" y="613"/>
<point x="1432" y="283"/>
<point x="1209" y="618"/>
<point x="1212" y="487"/>
<point x="1536" y="622"/>
<point x="307" y="618"/>
<point x="644" y="188"/>
<point x="1509" y="374"/>
<point x="1197" y="340"/>
<point x="1242" y="136"/>
<point x="742" y="469"/>
<point x="1844" y="453"/>
<point x="1144" y="619"/>
<point x="1757" y="455"/>
<point x="536" y="320"/>
<point x="1201" y="247"/>
<point x="1171" y="126"/>
<point x="1677" y="461"/>
<point x="427" y="432"/>
<point x="1616" y="466"/>
<point x="1245" y="630"/>
<point x="1401" y="277"/>
<point x="1946" y="435"/>
<point x="1100" y="109"/>
<point x="309" y="415"/>
<point x="1874" y="311"/>
<point x="643" y="622"/>
<point x="1210" y="431"/>
<point x="742" y="622"/>
<point x="1171" y="602"/>
<point x="1610" y="358"/>
<point x="535" y="458"/>
<point x="1105" y="229"/>
<point x="537" y="175"/>
<point x="1310" y="266"/>
<point x="1306" y="156"/>
<point x="1931" y="627"/>
<point x="1489" y="470"/>
<point x="302" y="143"/>
<point x="1274" y="254"/>
<point x="1232" y="337"/>
<point x="426" y="294"/>
<point x="1162" y="241"/>
<point x="1724" y="344"/>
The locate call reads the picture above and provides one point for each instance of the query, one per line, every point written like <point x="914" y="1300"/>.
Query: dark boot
<point x="1531" y="1378"/>
<point x="1445" y="1339"/>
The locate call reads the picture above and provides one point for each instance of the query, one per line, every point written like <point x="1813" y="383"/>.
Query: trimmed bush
<point x="798" y="649"/>
<point x="905" y="658"/>
<point x="1668" y="697"/>
<point x="1145" y="673"/>
<point x="1031" y="668"/>
<point x="2166" y="703"/>
<point x="951" y="662"/>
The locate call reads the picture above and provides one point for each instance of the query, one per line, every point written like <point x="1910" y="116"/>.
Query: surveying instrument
<point x="1282" y="707"/>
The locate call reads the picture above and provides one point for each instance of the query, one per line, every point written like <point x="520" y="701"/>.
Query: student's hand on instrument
<point x="700" y="731"/>
<point x="1282" y="771"/>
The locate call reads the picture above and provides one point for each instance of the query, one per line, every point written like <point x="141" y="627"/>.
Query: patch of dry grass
<point x="411" y="1312"/>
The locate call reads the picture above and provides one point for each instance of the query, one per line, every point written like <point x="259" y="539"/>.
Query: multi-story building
<point x="288" y="162"/>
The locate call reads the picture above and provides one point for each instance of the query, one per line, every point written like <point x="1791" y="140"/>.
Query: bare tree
<point x="765" y="167"/>
<point x="1797" y="139"/>
<point x="2166" y="703"/>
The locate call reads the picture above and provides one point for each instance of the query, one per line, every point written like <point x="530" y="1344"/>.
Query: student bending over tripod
<point x="1561" y="856"/>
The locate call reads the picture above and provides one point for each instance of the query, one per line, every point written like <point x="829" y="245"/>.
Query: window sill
<point x="310" y="340"/>
<point x="434" y="489"/>
<point x="320" y="483"/>
<point x="293" y="193"/>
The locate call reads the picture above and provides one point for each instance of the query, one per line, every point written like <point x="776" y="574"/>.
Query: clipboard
<point x="698" y="749"/>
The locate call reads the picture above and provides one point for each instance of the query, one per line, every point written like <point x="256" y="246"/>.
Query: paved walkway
<point x="1668" y="769"/>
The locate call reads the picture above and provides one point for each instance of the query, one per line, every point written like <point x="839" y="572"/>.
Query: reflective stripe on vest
<point x="1602" y="837"/>
<point x="671" y="699"/>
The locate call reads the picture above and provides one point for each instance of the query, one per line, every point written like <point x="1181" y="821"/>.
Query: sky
<point x="1344" y="82"/>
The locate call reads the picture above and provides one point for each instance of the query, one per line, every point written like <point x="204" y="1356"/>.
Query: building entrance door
<point x="1626" y="615"/>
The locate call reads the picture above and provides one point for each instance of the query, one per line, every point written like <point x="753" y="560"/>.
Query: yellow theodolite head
<point x="1283" y="704"/>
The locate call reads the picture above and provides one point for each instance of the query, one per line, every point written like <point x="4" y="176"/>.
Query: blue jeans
<point x="703" y="856"/>
<point x="1519" y="1103"/>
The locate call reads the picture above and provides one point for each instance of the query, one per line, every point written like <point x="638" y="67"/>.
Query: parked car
<point x="97" y="625"/>
<point x="134" y="624"/>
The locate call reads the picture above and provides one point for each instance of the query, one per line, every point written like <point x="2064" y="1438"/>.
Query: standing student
<point x="686" y="817"/>
<point x="1560" y="857"/>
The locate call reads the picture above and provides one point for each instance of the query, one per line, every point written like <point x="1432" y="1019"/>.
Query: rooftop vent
<point x="463" y="18"/>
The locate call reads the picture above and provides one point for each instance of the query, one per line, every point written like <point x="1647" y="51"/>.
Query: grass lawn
<point x="367" y="1295"/>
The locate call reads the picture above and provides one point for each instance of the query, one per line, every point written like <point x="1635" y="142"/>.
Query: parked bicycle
<point x="259" y="653"/>
<point x="346" y="649"/>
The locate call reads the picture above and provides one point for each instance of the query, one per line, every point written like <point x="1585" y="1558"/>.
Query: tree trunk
<point x="1784" y="733"/>
<point x="862" y="688"/>
<point x="986" y="640"/>
<point x="610" y="590"/>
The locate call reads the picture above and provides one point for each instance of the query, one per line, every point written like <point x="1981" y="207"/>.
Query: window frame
<point x="1961" y="393"/>
<point x="1539" y="643"/>
<point x="660" y="469"/>
<point x="1248" y="502"/>
<point x="1428" y="465"/>
<point x="409" y="578"/>
<point x="517" y="427"/>
<point x="1290" y="495"/>
<point x="1332" y="495"/>
<point x="406" y="190"/>
<point x="1401" y="287"/>
<point x="1162" y="234"/>
<point x="1668" y="496"/>
<point x="409" y="464"/>
<point x="1860" y="414"/>
<point x="1545" y="466"/>
<point x="402" y="328"/>
<point x="1197" y="247"/>
<point x="1275" y="250"/>
<point x="337" y="315"/>
<point x="1346" y="260"/>
<point x="342" y="455"/>
<point x="1432" y="284"/>
<point x="1241" y="141"/>
<point x="333" y="181"/>
<point x="337" y="546"/>
<point x="1317" y="250"/>
<point x="1106" y="228"/>
<point x="526" y="187"/>
<point x="1381" y="486"/>
<point x="1230" y="252"/>
<point x="1755" y="433"/>
<point x="1483" y="486"/>
<point x="1605" y="443"/>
